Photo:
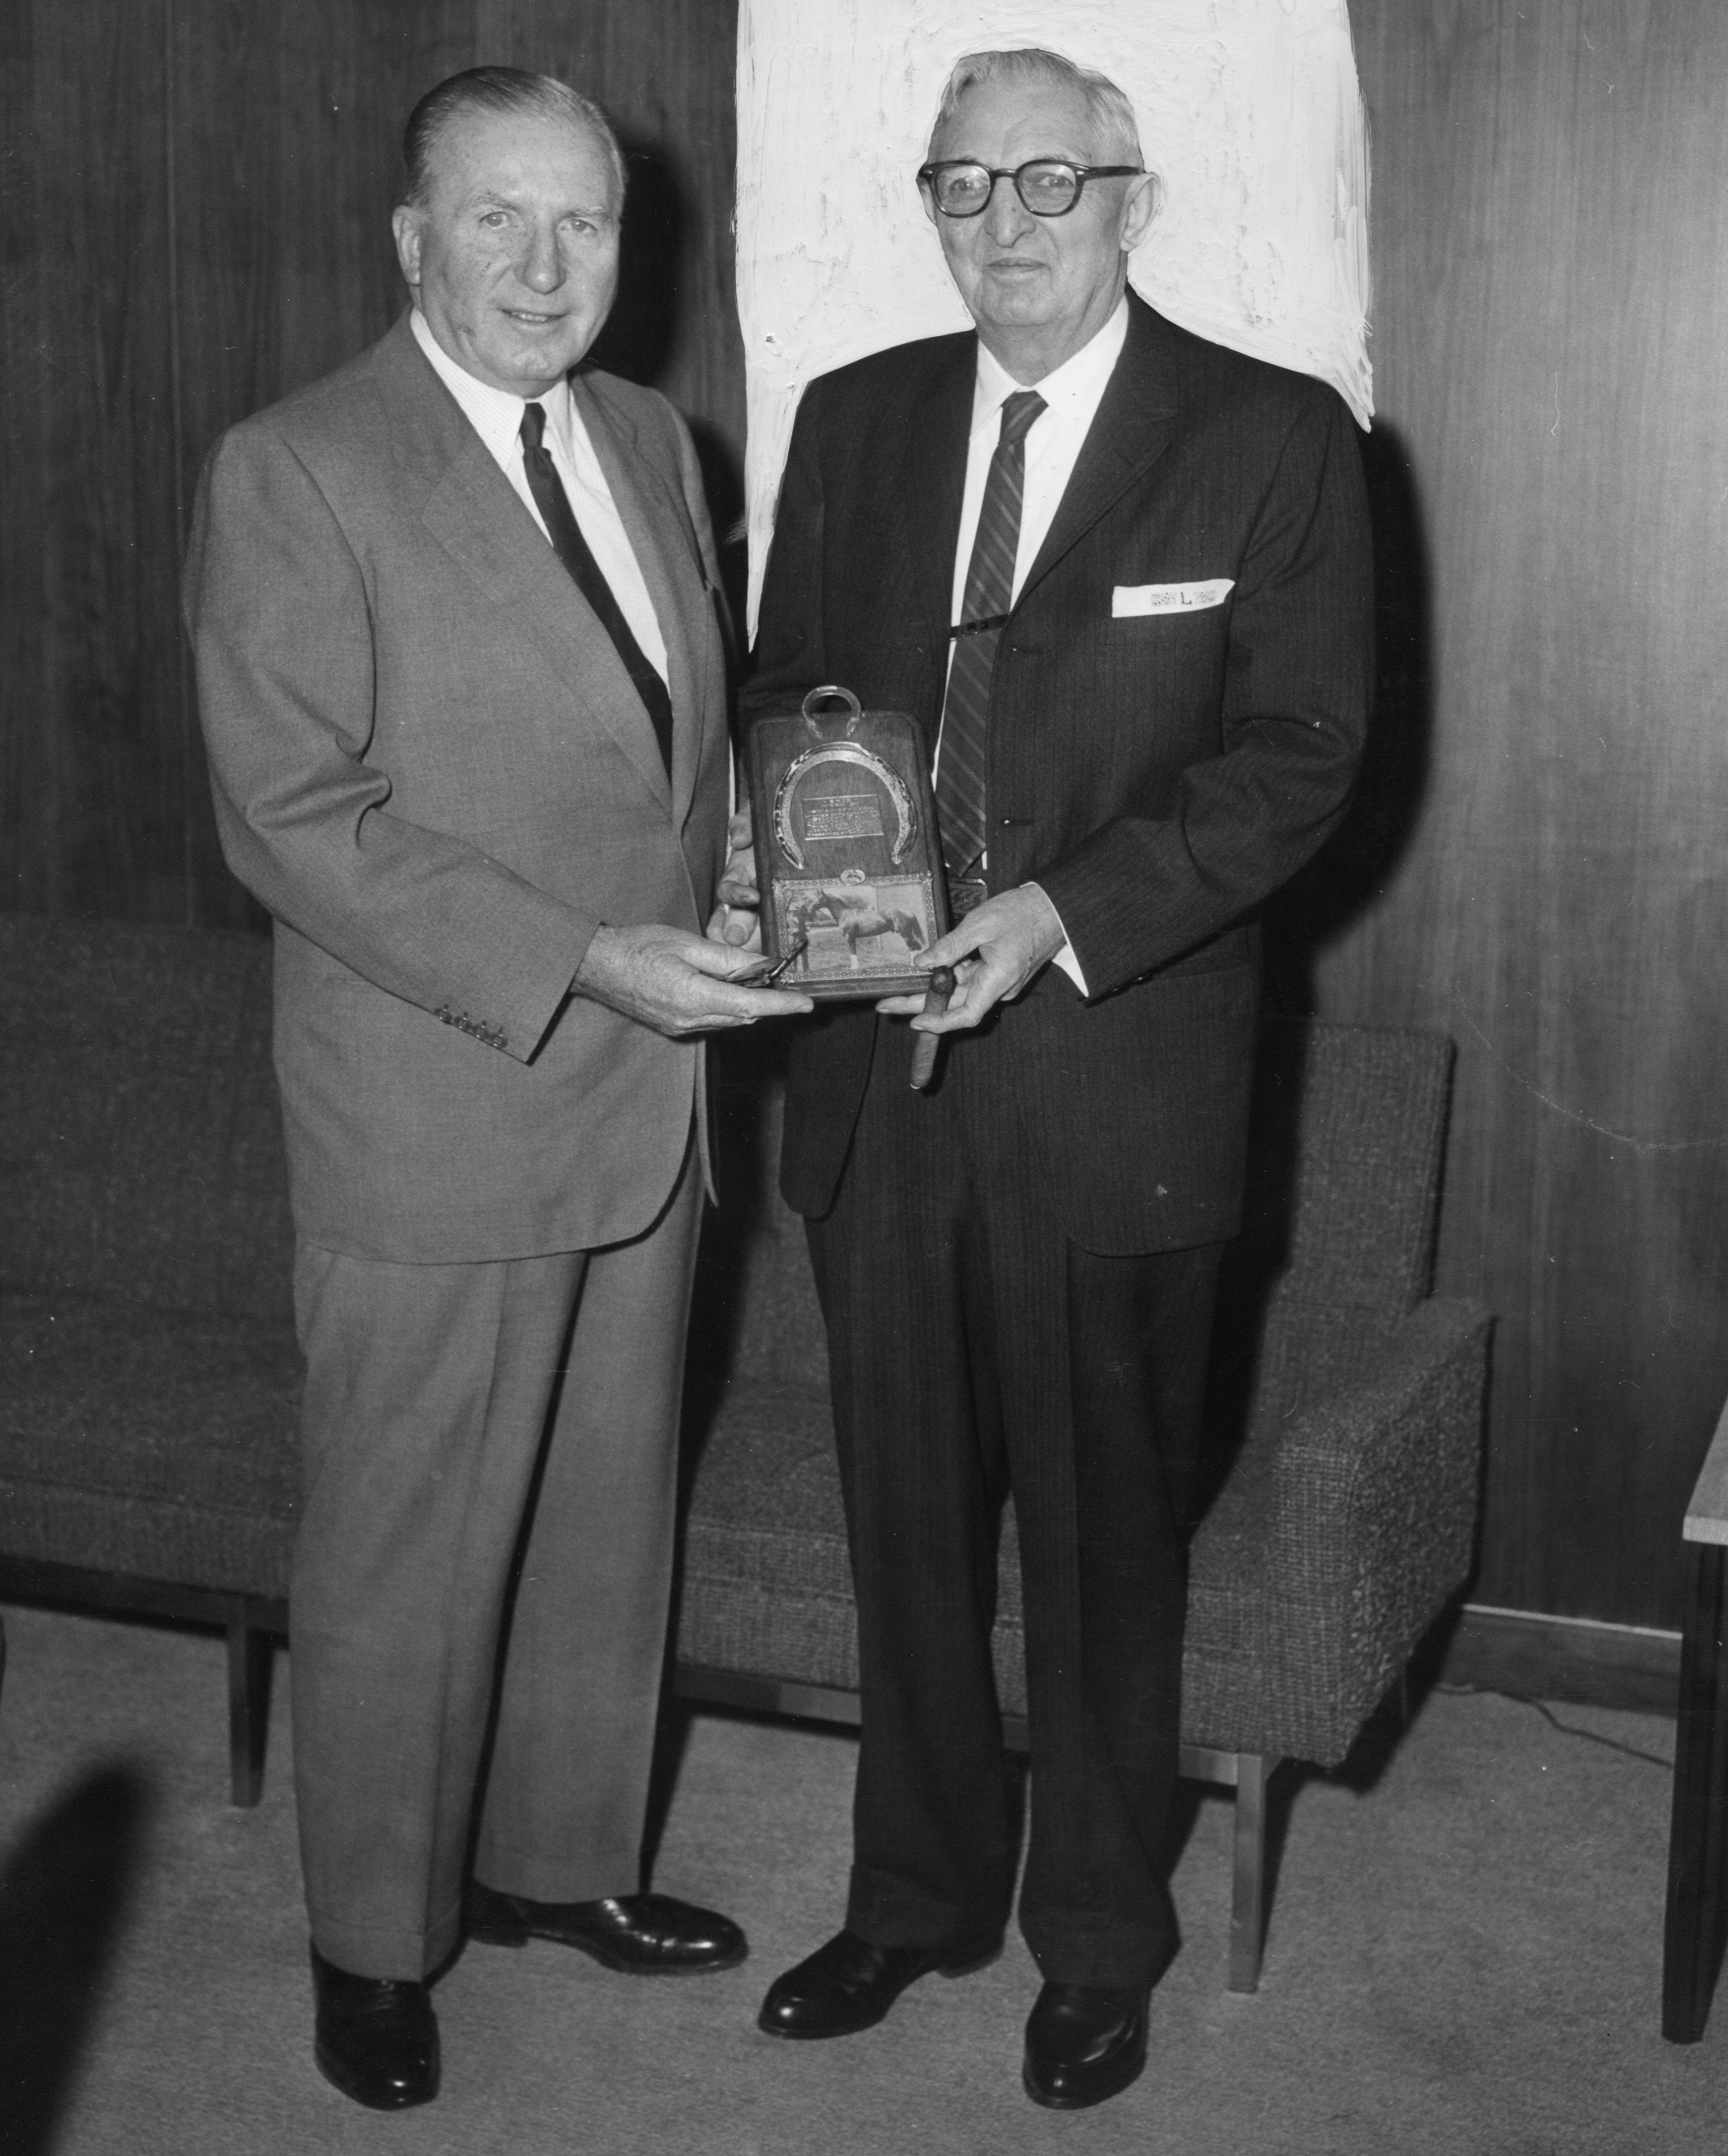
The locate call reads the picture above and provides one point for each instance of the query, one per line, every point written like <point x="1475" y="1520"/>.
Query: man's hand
<point x="995" y="951"/>
<point x="676" y="982"/>
<point x="736" y="919"/>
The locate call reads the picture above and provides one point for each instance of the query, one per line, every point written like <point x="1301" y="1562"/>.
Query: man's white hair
<point x="1108" y="107"/>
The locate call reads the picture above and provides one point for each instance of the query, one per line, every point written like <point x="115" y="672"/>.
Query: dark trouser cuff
<point x="1088" y="1947"/>
<point x="890" y="1912"/>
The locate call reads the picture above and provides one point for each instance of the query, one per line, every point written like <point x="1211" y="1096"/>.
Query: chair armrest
<point x="1357" y="1519"/>
<point x="1375" y="1498"/>
<point x="1365" y="1442"/>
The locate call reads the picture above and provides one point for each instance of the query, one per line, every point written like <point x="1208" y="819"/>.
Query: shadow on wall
<point x="638" y="338"/>
<point x="641" y="331"/>
<point x="65" y="1894"/>
<point x="1361" y="857"/>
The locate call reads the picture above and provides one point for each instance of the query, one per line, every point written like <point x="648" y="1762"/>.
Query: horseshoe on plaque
<point x="843" y="753"/>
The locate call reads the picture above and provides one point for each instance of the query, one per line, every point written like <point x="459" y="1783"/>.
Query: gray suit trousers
<point x="459" y="1418"/>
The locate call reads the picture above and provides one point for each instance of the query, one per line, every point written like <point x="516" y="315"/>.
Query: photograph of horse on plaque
<point x="847" y="850"/>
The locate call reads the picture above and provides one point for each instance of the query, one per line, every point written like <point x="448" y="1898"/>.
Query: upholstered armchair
<point x="1347" y="1419"/>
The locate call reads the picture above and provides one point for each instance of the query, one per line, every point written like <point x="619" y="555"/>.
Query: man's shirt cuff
<point x="1070" y="966"/>
<point x="1065" y="957"/>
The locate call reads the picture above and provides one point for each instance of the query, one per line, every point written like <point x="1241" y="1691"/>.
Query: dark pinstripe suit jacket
<point x="1158" y="773"/>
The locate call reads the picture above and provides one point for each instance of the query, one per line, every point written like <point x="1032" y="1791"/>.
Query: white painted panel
<point x="1248" y="110"/>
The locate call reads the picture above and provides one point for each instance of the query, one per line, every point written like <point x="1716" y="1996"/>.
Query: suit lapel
<point x="477" y="517"/>
<point x="657" y="524"/>
<point x="1130" y="432"/>
<point x="932" y="484"/>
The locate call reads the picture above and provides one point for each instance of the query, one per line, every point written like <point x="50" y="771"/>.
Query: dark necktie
<point x="988" y="594"/>
<point x="578" y="558"/>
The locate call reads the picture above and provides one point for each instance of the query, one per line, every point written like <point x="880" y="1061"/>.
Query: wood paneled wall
<point x="1540" y="865"/>
<point x="194" y="207"/>
<point x="194" y="220"/>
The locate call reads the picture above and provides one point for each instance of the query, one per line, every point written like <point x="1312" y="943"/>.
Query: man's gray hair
<point x="1110" y="110"/>
<point x="496" y="89"/>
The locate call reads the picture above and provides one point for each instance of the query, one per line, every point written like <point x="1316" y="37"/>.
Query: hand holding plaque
<point x="847" y="857"/>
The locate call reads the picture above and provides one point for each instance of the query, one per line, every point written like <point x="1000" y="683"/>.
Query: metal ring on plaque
<point x="905" y="816"/>
<point x="854" y="710"/>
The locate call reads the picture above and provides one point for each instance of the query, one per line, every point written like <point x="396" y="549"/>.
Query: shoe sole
<point x="965" y="1966"/>
<point x="1122" y="2074"/>
<point x="496" y="1935"/>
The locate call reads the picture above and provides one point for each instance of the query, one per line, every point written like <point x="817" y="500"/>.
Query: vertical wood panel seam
<point x="177" y="425"/>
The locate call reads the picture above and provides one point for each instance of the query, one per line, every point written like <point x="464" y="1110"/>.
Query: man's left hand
<point x="995" y="951"/>
<point x="736" y="919"/>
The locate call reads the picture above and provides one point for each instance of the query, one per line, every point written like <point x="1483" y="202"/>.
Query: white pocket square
<point x="1169" y="598"/>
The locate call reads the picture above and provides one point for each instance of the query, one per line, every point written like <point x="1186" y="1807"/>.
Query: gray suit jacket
<point x="432" y="768"/>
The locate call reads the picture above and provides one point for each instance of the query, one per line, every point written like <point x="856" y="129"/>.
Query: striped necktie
<point x="963" y="750"/>
<point x="573" y="551"/>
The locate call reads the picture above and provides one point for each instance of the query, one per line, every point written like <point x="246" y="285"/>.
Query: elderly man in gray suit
<point x="461" y="676"/>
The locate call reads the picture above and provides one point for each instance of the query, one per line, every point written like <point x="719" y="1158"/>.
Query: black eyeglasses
<point x="1048" y="186"/>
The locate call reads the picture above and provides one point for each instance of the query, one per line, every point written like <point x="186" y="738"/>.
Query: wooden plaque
<point x="846" y="851"/>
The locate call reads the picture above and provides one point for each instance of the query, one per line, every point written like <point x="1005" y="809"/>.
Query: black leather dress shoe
<point x="848" y="1984"/>
<point x="1083" y="2044"/>
<point x="639" y="1934"/>
<point x="377" y="2037"/>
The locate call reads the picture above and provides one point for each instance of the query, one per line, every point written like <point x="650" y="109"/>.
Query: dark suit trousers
<point x="976" y="1350"/>
<point x="457" y="1417"/>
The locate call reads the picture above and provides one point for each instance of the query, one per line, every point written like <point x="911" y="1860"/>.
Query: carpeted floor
<point x="1464" y="1959"/>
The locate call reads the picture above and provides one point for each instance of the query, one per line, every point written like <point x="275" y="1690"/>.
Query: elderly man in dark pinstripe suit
<point x="1148" y="559"/>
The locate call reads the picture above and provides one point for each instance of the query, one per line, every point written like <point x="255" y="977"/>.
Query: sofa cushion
<point x="141" y="1152"/>
<point x="136" y="1441"/>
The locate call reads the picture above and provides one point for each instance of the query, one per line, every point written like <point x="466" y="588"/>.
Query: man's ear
<point x="928" y="200"/>
<point x="1145" y="199"/>
<point x="406" y="222"/>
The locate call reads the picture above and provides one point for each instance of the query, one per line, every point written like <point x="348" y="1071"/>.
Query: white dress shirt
<point x="496" y="416"/>
<point x="1071" y="395"/>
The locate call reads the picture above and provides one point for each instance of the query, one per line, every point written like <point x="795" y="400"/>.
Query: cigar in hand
<point x="925" y="1044"/>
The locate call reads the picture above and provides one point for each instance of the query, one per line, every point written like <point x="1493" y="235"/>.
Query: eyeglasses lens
<point x="962" y="190"/>
<point x="1047" y="190"/>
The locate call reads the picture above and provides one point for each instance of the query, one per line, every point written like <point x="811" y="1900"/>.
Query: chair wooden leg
<point x="248" y="1674"/>
<point x="1254" y="1772"/>
<point x="1697" y="1902"/>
